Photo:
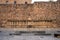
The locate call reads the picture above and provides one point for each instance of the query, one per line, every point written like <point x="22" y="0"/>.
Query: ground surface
<point x="4" y="35"/>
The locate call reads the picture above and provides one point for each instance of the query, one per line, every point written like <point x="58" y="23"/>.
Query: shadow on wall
<point x="15" y="2"/>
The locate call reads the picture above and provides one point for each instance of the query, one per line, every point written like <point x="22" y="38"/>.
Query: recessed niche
<point x="25" y="2"/>
<point x="14" y="2"/>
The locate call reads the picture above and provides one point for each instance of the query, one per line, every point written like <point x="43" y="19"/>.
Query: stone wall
<point x="15" y="1"/>
<point x="37" y="15"/>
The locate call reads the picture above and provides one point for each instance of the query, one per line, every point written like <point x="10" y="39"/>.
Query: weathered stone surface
<point x="37" y="15"/>
<point x="15" y="1"/>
